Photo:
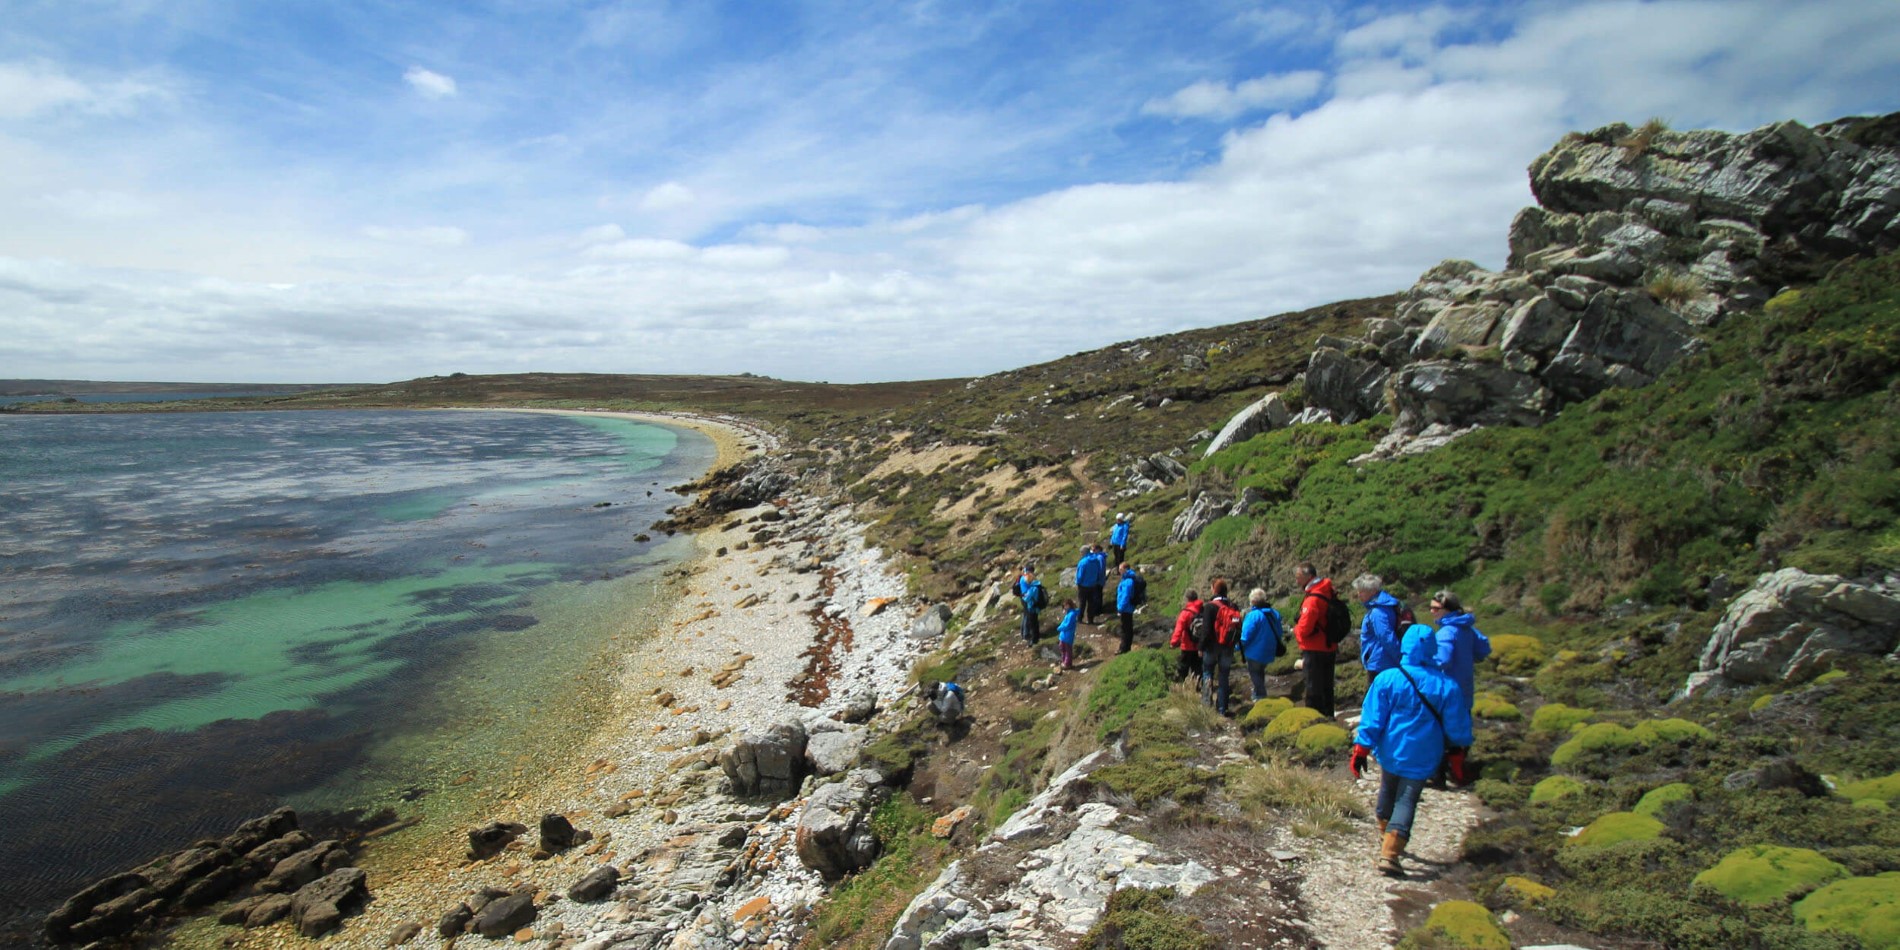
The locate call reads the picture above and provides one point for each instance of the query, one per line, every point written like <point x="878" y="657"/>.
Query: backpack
<point x="1403" y="618"/>
<point x="1338" y="621"/>
<point x="1139" y="595"/>
<point x="1226" y="623"/>
<point x="1035" y="598"/>
<point x="1201" y="628"/>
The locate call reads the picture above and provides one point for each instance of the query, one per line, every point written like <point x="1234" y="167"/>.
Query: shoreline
<point x="737" y="609"/>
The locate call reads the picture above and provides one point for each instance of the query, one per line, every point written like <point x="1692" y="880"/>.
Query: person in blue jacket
<point x="1379" y="630"/>
<point x="1090" y="574"/>
<point x="1127" y="597"/>
<point x="1415" y="717"/>
<point x="1033" y="596"/>
<point x="1118" y="540"/>
<point x="1065" y="633"/>
<point x="1260" y="633"/>
<point x="1460" y="644"/>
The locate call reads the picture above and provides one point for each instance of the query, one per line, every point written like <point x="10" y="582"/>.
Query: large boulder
<point x="504" y="916"/>
<point x="320" y="905"/>
<point x="1206" y="508"/>
<point x="488" y="840"/>
<point x="1265" y="415"/>
<point x="1792" y="625"/>
<point x="766" y="764"/>
<point x="305" y="866"/>
<point x="829" y="753"/>
<point x="834" y="834"/>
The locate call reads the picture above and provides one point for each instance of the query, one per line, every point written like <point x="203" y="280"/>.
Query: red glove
<point x="1357" y="763"/>
<point x="1457" y="768"/>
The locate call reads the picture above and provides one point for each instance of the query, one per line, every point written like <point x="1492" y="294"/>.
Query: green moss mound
<point x="1873" y="804"/>
<point x="1886" y="788"/>
<point x="1518" y="654"/>
<point x="1829" y="677"/>
<point x="1524" y="892"/>
<point x="1615" y="828"/>
<point x="1556" y="787"/>
<point x="1761" y="702"/>
<point x="1322" y="737"/>
<point x="1765" y="874"/>
<point x="1557" y="718"/>
<point x="1656" y="799"/>
<point x="1593" y="740"/>
<point x="1659" y="731"/>
<point x="1460" y="924"/>
<point x="1263" y="711"/>
<point x="1292" y="722"/>
<point x="1867" y="908"/>
<point x="1494" y="707"/>
<point x="1142" y="920"/>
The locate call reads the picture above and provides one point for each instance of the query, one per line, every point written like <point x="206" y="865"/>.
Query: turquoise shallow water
<point x="204" y="616"/>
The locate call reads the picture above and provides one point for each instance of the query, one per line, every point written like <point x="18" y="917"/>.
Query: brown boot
<point x="1389" y="852"/>
<point x="1382" y="827"/>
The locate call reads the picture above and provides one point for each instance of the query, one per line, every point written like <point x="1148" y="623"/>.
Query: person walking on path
<point x="1459" y="643"/>
<point x="1217" y="653"/>
<point x="1090" y="573"/>
<point x="1414" y="717"/>
<point x="1317" y="654"/>
<point x="1065" y="633"/>
<point x="1260" y="633"/>
<point x="1379" y="631"/>
<point x="1183" y="639"/>
<point x="1131" y="593"/>
<point x="1034" y="598"/>
<point x="1118" y="540"/>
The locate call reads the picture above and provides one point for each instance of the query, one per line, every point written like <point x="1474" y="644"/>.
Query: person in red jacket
<point x="1190" y="662"/>
<point x="1309" y="632"/>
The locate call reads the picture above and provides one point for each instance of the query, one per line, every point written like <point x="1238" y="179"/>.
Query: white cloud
<point x="1208" y="99"/>
<point x="431" y="236"/>
<point x="643" y="249"/>
<point x="430" y="84"/>
<point x="602" y="234"/>
<point x="99" y="205"/>
<point x="30" y="89"/>
<point x="670" y="196"/>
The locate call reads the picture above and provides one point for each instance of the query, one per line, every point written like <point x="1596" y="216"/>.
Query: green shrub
<point x="1524" y="892"/>
<point x="1292" y="722"/>
<point x="1139" y="919"/>
<point x="1501" y="794"/>
<point x="1594" y="739"/>
<point x="1124" y="684"/>
<point x="1518" y="654"/>
<point x="1829" y="677"/>
<point x="1615" y="828"/>
<point x="1885" y="788"/>
<point x="1768" y="874"/>
<point x="1321" y="738"/>
<point x="1867" y="908"/>
<point x="1671" y="731"/>
<point x="1494" y="706"/>
<point x="1656" y="799"/>
<point x="1557" y="718"/>
<point x="1556" y="787"/>
<point x="1263" y="711"/>
<point x="1460" y="924"/>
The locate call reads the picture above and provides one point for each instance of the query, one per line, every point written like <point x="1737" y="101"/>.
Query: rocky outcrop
<point x="747" y="484"/>
<point x="1043" y="878"/>
<point x="829" y="753"/>
<point x="1791" y="626"/>
<point x="1265" y="415"/>
<point x="1640" y="238"/>
<point x="320" y="905"/>
<point x="766" y="764"/>
<point x="834" y="833"/>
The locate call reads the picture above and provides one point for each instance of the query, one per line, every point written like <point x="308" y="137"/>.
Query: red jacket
<point x="1181" y="639"/>
<point x="1309" y="632"/>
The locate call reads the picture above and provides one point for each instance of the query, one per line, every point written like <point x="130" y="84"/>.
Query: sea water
<point x="204" y="616"/>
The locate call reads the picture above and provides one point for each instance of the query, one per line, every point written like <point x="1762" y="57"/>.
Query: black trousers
<point x="1319" y="679"/>
<point x="1091" y="597"/>
<point x="1128" y="632"/>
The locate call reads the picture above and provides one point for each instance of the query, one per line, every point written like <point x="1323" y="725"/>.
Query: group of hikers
<point x="1416" y="716"/>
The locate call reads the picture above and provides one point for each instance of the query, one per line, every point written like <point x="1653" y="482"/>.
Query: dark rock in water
<point x="259" y="861"/>
<point x="259" y="830"/>
<point x="511" y="623"/>
<point x="267" y="910"/>
<point x="78" y="909"/>
<point x="505" y="916"/>
<point x="320" y="905"/>
<point x="211" y="888"/>
<point x="303" y="867"/>
<point x="488" y="840"/>
<point x="455" y="922"/>
<point x="557" y="833"/>
<point x="595" y="885"/>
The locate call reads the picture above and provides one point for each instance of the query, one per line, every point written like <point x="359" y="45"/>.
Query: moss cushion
<point x="1493" y="706"/>
<point x="1886" y="788"/>
<point x="1766" y="874"/>
<point x="1558" y="718"/>
<point x="1263" y="711"/>
<point x="1655" y="799"/>
<point x="1517" y="654"/>
<point x="1865" y="907"/>
<point x="1322" y="737"/>
<point x="1466" y="925"/>
<point x="1615" y="827"/>
<point x="1556" y="787"/>
<point x="1289" y="723"/>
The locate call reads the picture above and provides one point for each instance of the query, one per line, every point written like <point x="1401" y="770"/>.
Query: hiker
<point x="1415" y="717"/>
<point x="1380" y="631"/>
<point x="1217" y="648"/>
<point x="1118" y="539"/>
<point x="1190" y="662"/>
<point x="1260" y="634"/>
<point x="1034" y="598"/>
<point x="1130" y="594"/>
<point x="1317" y="652"/>
<point x="1460" y="645"/>
<point x="1065" y="633"/>
<point x="946" y="702"/>
<point x="1090" y="573"/>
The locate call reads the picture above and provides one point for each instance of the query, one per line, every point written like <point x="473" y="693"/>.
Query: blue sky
<point x="346" y="191"/>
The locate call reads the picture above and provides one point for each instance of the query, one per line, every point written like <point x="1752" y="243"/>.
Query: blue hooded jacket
<point x="1125" y="593"/>
<point x="1379" y="634"/>
<point x="1395" y="722"/>
<point x="1065" y="631"/>
<point x="1260" y="632"/>
<point x="1118" y="535"/>
<point x="1091" y="569"/>
<point x="1460" y="646"/>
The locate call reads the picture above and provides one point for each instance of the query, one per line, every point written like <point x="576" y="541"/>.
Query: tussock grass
<point x="1637" y="143"/>
<point x="1312" y="803"/>
<point x="1673" y="287"/>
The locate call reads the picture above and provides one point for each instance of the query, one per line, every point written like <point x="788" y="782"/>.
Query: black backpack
<point x="1338" y="621"/>
<point x="1201" y="628"/>
<point x="1139" y="595"/>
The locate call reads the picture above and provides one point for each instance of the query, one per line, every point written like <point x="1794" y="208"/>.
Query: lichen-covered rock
<point x="1766" y="874"/>
<point x="829" y="753"/>
<point x="1265" y="415"/>
<point x="770" y="764"/>
<point x="834" y="834"/>
<point x="1205" y="510"/>
<point x="1867" y="908"/>
<point x="1792" y="625"/>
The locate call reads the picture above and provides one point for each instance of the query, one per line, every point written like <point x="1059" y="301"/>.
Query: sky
<point x="345" y="191"/>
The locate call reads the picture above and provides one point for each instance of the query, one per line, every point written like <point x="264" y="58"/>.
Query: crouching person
<point x="1414" y="717"/>
<point x="946" y="702"/>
